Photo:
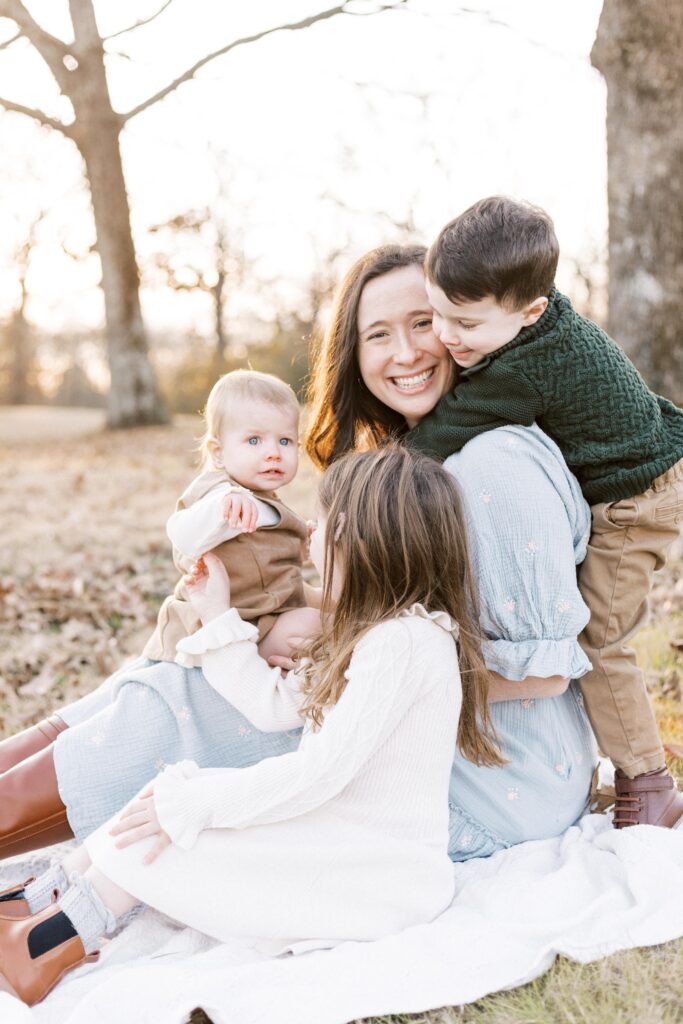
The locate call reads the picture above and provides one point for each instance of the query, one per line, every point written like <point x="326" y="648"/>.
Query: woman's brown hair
<point x="344" y="414"/>
<point x="396" y="532"/>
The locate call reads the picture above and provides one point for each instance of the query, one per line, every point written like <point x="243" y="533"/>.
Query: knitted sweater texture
<point x="567" y="375"/>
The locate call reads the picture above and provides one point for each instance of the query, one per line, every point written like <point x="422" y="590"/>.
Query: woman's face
<point x="401" y="360"/>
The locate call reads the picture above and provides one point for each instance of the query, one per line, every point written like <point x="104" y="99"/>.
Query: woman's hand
<point x="138" y="821"/>
<point x="208" y="587"/>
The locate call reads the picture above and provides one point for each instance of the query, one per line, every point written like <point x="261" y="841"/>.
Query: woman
<point x="345" y="838"/>
<point x="381" y="369"/>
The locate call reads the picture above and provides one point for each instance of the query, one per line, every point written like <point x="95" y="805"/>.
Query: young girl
<point x="250" y="448"/>
<point x="345" y="838"/>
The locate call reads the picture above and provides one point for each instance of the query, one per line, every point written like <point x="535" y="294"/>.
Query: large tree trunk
<point x="134" y="396"/>
<point x="20" y="346"/>
<point x="639" y="50"/>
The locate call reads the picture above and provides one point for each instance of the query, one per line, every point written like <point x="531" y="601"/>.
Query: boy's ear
<point x="534" y="310"/>
<point x="215" y="451"/>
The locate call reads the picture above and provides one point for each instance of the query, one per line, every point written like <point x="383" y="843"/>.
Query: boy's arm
<point x="496" y="396"/>
<point x="201" y="527"/>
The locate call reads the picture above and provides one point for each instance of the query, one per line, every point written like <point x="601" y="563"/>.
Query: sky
<point x="321" y="137"/>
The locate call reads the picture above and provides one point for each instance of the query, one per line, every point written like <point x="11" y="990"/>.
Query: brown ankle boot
<point x="31" y="811"/>
<point x="17" y="748"/>
<point x="12" y="901"/>
<point x="29" y="968"/>
<point x="651" y="799"/>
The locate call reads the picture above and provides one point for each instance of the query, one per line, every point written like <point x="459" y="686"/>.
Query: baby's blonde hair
<point x="235" y="386"/>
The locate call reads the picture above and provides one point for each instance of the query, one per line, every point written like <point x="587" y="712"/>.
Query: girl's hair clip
<point x="340" y="527"/>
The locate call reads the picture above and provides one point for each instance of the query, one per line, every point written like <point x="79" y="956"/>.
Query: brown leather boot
<point x="651" y="799"/>
<point x="12" y="902"/>
<point x="17" y="748"/>
<point x="31" y="811"/>
<point x="29" y="968"/>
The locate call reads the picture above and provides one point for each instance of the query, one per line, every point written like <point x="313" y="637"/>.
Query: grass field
<point x="84" y="564"/>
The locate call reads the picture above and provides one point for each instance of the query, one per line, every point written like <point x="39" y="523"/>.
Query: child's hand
<point x="208" y="587"/>
<point x="240" y="511"/>
<point x="311" y="526"/>
<point x="138" y="821"/>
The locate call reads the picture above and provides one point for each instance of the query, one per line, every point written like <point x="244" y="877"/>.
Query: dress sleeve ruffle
<point x="516" y="660"/>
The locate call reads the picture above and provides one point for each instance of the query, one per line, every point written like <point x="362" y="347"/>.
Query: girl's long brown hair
<point x="396" y="534"/>
<point x="344" y="414"/>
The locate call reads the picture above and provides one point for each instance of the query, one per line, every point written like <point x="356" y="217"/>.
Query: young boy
<point x="249" y="449"/>
<point x="524" y="355"/>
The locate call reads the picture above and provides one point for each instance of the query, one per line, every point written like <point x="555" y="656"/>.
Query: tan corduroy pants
<point x="629" y="542"/>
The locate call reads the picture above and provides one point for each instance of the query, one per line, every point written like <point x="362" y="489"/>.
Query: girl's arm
<point x="233" y="667"/>
<point x="531" y="688"/>
<point x="387" y="673"/>
<point x="203" y="526"/>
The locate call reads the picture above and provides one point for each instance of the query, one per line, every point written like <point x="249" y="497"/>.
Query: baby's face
<point x="473" y="330"/>
<point x="259" y="445"/>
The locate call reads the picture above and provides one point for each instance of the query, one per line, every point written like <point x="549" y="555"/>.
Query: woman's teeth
<point x="406" y="383"/>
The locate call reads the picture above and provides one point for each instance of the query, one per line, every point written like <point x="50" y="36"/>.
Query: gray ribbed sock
<point x="86" y="911"/>
<point x="38" y="894"/>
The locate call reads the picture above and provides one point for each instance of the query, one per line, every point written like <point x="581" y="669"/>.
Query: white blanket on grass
<point x="586" y="894"/>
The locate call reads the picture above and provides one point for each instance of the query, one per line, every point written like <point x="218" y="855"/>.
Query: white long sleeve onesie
<point x="345" y="838"/>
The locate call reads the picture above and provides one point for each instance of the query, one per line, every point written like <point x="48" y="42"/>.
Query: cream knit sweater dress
<point x="344" y="838"/>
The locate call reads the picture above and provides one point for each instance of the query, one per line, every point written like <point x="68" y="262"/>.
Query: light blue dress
<point x="529" y="526"/>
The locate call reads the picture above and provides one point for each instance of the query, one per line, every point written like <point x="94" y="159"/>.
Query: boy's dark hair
<point x="497" y="247"/>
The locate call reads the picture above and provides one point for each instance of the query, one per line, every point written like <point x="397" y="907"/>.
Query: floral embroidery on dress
<point x="513" y="793"/>
<point x="561" y="769"/>
<point x="527" y="702"/>
<point x="466" y="841"/>
<point x="244" y="730"/>
<point x="511" y="442"/>
<point x="510" y="604"/>
<point x="564" y="606"/>
<point x="486" y="498"/>
<point x="183" y="714"/>
<point x="531" y="548"/>
<point x="160" y="764"/>
<point x="98" y="739"/>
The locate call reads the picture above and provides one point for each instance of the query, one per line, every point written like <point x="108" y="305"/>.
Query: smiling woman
<point x="401" y="360"/>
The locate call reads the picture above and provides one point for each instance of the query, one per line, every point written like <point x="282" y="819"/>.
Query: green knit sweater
<point x="568" y="376"/>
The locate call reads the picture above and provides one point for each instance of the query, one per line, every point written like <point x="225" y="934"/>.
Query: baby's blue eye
<point x="284" y="441"/>
<point x="253" y="440"/>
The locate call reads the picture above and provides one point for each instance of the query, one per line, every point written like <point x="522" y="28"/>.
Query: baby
<point x="249" y="449"/>
<point x="524" y="355"/>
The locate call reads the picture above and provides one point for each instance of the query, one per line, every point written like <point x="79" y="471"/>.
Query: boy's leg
<point x="628" y="543"/>
<point x="289" y="632"/>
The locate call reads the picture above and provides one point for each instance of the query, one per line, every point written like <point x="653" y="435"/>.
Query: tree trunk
<point x="638" y="49"/>
<point x="20" y="358"/>
<point x="134" y="396"/>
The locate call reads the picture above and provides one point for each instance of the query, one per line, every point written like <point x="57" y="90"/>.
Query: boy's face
<point x="472" y="330"/>
<point x="259" y="445"/>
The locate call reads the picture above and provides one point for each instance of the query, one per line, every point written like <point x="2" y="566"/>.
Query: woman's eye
<point x="253" y="440"/>
<point x="378" y="336"/>
<point x="424" y="323"/>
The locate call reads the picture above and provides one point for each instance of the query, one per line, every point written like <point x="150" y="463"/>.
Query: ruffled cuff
<point x="516" y="660"/>
<point x="221" y="631"/>
<point x="175" y="801"/>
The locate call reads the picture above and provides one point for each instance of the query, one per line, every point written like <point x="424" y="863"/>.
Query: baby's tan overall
<point x="264" y="569"/>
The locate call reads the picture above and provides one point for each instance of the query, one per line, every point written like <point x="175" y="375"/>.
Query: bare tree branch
<point x="51" y="49"/>
<point x="332" y="12"/>
<point x="12" y="39"/>
<point x="138" y="24"/>
<point x="37" y="115"/>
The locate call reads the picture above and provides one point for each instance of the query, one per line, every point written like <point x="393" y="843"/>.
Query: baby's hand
<point x="240" y="511"/>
